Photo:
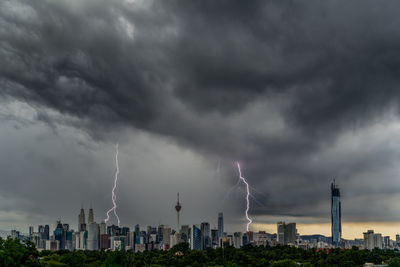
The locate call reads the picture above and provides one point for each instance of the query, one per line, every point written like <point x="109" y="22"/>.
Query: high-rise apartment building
<point x="336" y="215"/>
<point x="372" y="240"/>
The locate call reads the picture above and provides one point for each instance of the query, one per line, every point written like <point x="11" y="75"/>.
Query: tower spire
<point x="178" y="208"/>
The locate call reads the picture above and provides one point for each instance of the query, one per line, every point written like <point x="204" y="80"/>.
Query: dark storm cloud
<point x="272" y="83"/>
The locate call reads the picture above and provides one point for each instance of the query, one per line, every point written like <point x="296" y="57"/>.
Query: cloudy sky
<point x="299" y="92"/>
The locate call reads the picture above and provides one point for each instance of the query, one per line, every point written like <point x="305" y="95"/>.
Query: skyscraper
<point x="336" y="214"/>
<point x="91" y="216"/>
<point x="103" y="228"/>
<point x="280" y="235"/>
<point x="47" y="231"/>
<point x="195" y="240"/>
<point x="81" y="221"/>
<point x="92" y="240"/>
<point x="205" y="235"/>
<point x="286" y="233"/>
<point x="60" y="235"/>
<point x="214" y="238"/>
<point x="185" y="233"/>
<point x="220" y="224"/>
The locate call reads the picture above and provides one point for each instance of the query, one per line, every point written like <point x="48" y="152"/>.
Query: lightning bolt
<point x="113" y="196"/>
<point x="247" y="195"/>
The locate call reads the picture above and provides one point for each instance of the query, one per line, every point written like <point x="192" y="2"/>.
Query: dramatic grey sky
<point x="300" y="92"/>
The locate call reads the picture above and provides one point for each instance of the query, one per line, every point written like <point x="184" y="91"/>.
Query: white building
<point x="237" y="239"/>
<point x="77" y="238"/>
<point x="372" y="240"/>
<point x="82" y="240"/>
<point x="166" y="232"/>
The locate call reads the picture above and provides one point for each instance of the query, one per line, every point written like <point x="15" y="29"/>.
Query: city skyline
<point x="200" y="236"/>
<point x="293" y="92"/>
<point x="335" y="225"/>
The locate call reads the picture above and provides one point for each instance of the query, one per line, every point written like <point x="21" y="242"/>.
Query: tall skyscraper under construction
<point x="336" y="215"/>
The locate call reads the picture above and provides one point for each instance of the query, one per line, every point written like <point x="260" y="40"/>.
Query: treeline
<point x="16" y="253"/>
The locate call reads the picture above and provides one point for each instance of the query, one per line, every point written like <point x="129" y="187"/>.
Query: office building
<point x="286" y="233"/>
<point x="245" y="239"/>
<point x="195" y="239"/>
<point x="124" y="231"/>
<point x="47" y="231"/>
<point x="103" y="228"/>
<point x="386" y="242"/>
<point x="214" y="238"/>
<point x="220" y="224"/>
<point x="60" y="235"/>
<point x="93" y="234"/>
<point x="185" y="233"/>
<point x="205" y="235"/>
<point x="113" y="230"/>
<point x="91" y="216"/>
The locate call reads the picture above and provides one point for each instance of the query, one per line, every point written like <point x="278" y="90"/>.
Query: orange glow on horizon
<point x="350" y="230"/>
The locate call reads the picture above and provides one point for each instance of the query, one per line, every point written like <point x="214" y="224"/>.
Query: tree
<point x="395" y="262"/>
<point x="284" y="263"/>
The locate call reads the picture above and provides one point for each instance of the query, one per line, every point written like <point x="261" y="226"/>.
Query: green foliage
<point x="395" y="262"/>
<point x="16" y="253"/>
<point x="13" y="252"/>
<point x="284" y="263"/>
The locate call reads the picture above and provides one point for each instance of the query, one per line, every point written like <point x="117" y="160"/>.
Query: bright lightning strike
<point x="247" y="195"/>
<point x="113" y="196"/>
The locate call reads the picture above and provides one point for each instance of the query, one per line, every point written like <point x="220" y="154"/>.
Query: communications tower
<point x="178" y="208"/>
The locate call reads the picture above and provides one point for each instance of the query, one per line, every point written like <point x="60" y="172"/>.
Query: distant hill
<point x="317" y="237"/>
